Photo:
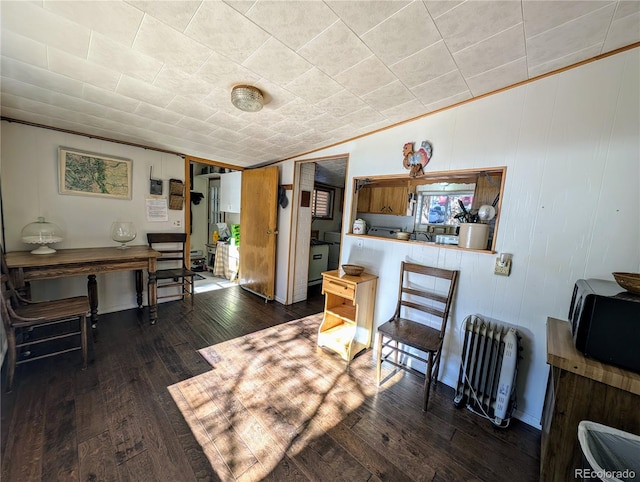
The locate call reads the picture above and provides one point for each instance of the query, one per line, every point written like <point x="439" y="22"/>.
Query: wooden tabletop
<point x="24" y="259"/>
<point x="338" y="273"/>
<point x="561" y="353"/>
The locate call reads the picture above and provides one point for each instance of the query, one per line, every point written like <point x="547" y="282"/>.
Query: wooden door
<point x="258" y="230"/>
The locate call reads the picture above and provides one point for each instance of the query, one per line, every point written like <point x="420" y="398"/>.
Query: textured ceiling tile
<point x="293" y="22"/>
<point x="299" y="110"/>
<point x="405" y="111"/>
<point x="570" y="37"/>
<point x="488" y="54"/>
<point x="626" y="7"/>
<point x="179" y="81"/>
<point x="224" y="74"/>
<point x="363" y="117"/>
<point x="405" y="33"/>
<point x="169" y="46"/>
<point x="223" y="29"/>
<point x="241" y="6"/>
<point x="23" y="49"/>
<point x="220" y="100"/>
<point x="275" y="96"/>
<point x="449" y="101"/>
<point x="109" y="99"/>
<point x="572" y="58"/>
<point x="342" y="103"/>
<point x="540" y="16"/>
<point x="79" y="69"/>
<point x="335" y="50"/>
<point x="623" y="31"/>
<point x="224" y="119"/>
<point x="277" y="62"/>
<point x="21" y="89"/>
<point x="40" y="77"/>
<point x="506" y="74"/>
<point x="362" y="15"/>
<point x="155" y="113"/>
<point x="187" y="107"/>
<point x="113" y="55"/>
<point x="117" y="20"/>
<point x="34" y="22"/>
<point x="176" y="14"/>
<point x="388" y="96"/>
<point x="368" y="75"/>
<point x="440" y="7"/>
<point x="424" y="65"/>
<point x="446" y="85"/>
<point x="125" y="118"/>
<point x="314" y="86"/>
<point x="476" y="20"/>
<point x="260" y="131"/>
<point x="139" y="90"/>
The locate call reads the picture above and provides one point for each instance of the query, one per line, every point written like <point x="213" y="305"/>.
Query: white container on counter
<point x="473" y="235"/>
<point x="359" y="226"/>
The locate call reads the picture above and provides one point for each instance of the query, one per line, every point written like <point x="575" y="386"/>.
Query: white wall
<point x="30" y="189"/>
<point x="571" y="206"/>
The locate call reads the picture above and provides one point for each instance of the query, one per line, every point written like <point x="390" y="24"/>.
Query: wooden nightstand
<point x="347" y="325"/>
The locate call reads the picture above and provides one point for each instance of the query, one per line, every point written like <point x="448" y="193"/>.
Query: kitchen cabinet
<point x="364" y="200"/>
<point x="579" y="389"/>
<point x="347" y="324"/>
<point x="384" y="200"/>
<point x="230" y="191"/>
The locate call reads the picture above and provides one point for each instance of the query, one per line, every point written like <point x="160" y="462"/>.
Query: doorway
<point x="314" y="237"/>
<point x="202" y="213"/>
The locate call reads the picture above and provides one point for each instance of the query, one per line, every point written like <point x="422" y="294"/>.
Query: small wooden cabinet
<point x="579" y="389"/>
<point x="383" y="200"/>
<point x="347" y="325"/>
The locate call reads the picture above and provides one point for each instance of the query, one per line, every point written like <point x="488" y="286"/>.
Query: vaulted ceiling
<point x="159" y="73"/>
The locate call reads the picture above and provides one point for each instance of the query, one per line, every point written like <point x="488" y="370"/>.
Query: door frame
<point x="296" y="242"/>
<point x="186" y="219"/>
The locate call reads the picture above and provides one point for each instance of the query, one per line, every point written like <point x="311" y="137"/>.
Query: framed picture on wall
<point x="89" y="174"/>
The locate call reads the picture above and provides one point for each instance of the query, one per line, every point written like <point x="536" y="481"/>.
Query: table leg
<point x="152" y="289"/>
<point x="139" y="287"/>
<point x="92" y="290"/>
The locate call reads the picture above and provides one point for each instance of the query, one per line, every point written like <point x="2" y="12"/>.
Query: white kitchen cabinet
<point x="230" y="187"/>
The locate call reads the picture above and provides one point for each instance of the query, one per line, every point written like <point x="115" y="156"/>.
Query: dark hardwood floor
<point x="118" y="421"/>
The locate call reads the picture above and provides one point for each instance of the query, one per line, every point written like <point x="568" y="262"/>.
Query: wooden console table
<point x="580" y="388"/>
<point x="25" y="267"/>
<point x="347" y="325"/>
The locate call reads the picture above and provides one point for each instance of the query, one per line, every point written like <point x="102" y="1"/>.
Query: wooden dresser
<point x="579" y="389"/>
<point x="347" y="325"/>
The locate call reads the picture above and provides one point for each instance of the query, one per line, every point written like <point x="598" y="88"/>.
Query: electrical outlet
<point x="503" y="270"/>
<point x="177" y="223"/>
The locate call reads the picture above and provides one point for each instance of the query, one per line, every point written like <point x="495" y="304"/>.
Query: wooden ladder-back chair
<point x="429" y="291"/>
<point x="39" y="325"/>
<point x="172" y="264"/>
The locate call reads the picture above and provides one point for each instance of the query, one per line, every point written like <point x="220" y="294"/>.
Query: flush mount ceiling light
<point x="247" y="98"/>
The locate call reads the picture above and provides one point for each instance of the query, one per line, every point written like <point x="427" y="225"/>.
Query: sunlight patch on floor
<point x="269" y="397"/>
<point x="211" y="283"/>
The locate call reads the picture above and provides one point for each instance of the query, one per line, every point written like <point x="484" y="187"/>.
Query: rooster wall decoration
<point x="415" y="161"/>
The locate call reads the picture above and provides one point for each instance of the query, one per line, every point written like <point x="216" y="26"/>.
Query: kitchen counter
<point x="423" y="243"/>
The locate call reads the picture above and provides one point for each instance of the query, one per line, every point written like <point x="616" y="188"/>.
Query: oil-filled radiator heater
<point x="488" y="369"/>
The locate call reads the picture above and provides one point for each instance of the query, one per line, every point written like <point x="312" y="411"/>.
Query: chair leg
<point x="427" y="382"/>
<point x="11" y="352"/>
<point x="379" y="358"/>
<point x="84" y="340"/>
<point x="193" y="288"/>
